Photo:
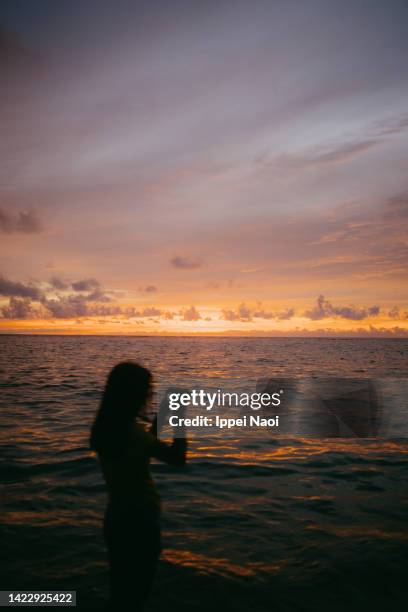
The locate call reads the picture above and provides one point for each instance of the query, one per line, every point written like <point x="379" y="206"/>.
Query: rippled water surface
<point x="272" y="523"/>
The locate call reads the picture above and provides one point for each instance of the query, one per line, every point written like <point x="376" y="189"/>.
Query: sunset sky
<point x="204" y="167"/>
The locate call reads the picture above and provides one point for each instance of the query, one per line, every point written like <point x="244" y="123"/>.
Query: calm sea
<point x="272" y="523"/>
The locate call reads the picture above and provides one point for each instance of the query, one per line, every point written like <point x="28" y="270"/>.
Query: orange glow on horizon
<point x="211" y="323"/>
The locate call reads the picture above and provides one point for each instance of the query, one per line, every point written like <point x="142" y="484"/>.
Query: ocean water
<point x="251" y="523"/>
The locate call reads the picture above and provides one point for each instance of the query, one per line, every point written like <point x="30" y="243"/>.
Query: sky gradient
<point x="204" y="167"/>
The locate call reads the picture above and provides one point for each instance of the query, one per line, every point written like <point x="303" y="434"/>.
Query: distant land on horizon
<point x="361" y="334"/>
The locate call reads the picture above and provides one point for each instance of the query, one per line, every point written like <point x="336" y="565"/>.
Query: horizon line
<point x="345" y="336"/>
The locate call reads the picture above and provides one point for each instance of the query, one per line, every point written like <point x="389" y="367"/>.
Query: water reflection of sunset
<point x="252" y="516"/>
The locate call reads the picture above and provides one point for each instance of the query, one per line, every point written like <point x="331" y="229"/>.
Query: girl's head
<point x="126" y="393"/>
<point x="127" y="390"/>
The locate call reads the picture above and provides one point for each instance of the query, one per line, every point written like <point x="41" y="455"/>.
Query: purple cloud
<point x="324" y="309"/>
<point x="18" y="308"/>
<point x="23" y="222"/>
<point x="245" y="314"/>
<point x="9" y="288"/>
<point x="87" y="284"/>
<point x="185" y="263"/>
<point x="242" y="313"/>
<point x="58" y="283"/>
<point x="191" y="314"/>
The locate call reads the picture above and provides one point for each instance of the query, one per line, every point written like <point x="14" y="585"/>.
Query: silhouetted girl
<point x="132" y="519"/>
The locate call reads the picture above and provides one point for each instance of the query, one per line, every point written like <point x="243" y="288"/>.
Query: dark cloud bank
<point x="87" y="298"/>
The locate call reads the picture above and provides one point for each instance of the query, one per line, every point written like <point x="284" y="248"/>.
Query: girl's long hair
<point x="126" y="392"/>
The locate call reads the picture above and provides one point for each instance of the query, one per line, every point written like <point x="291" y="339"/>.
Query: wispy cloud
<point x="23" y="222"/>
<point x="344" y="152"/>
<point x="396" y="207"/>
<point x="185" y="263"/>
